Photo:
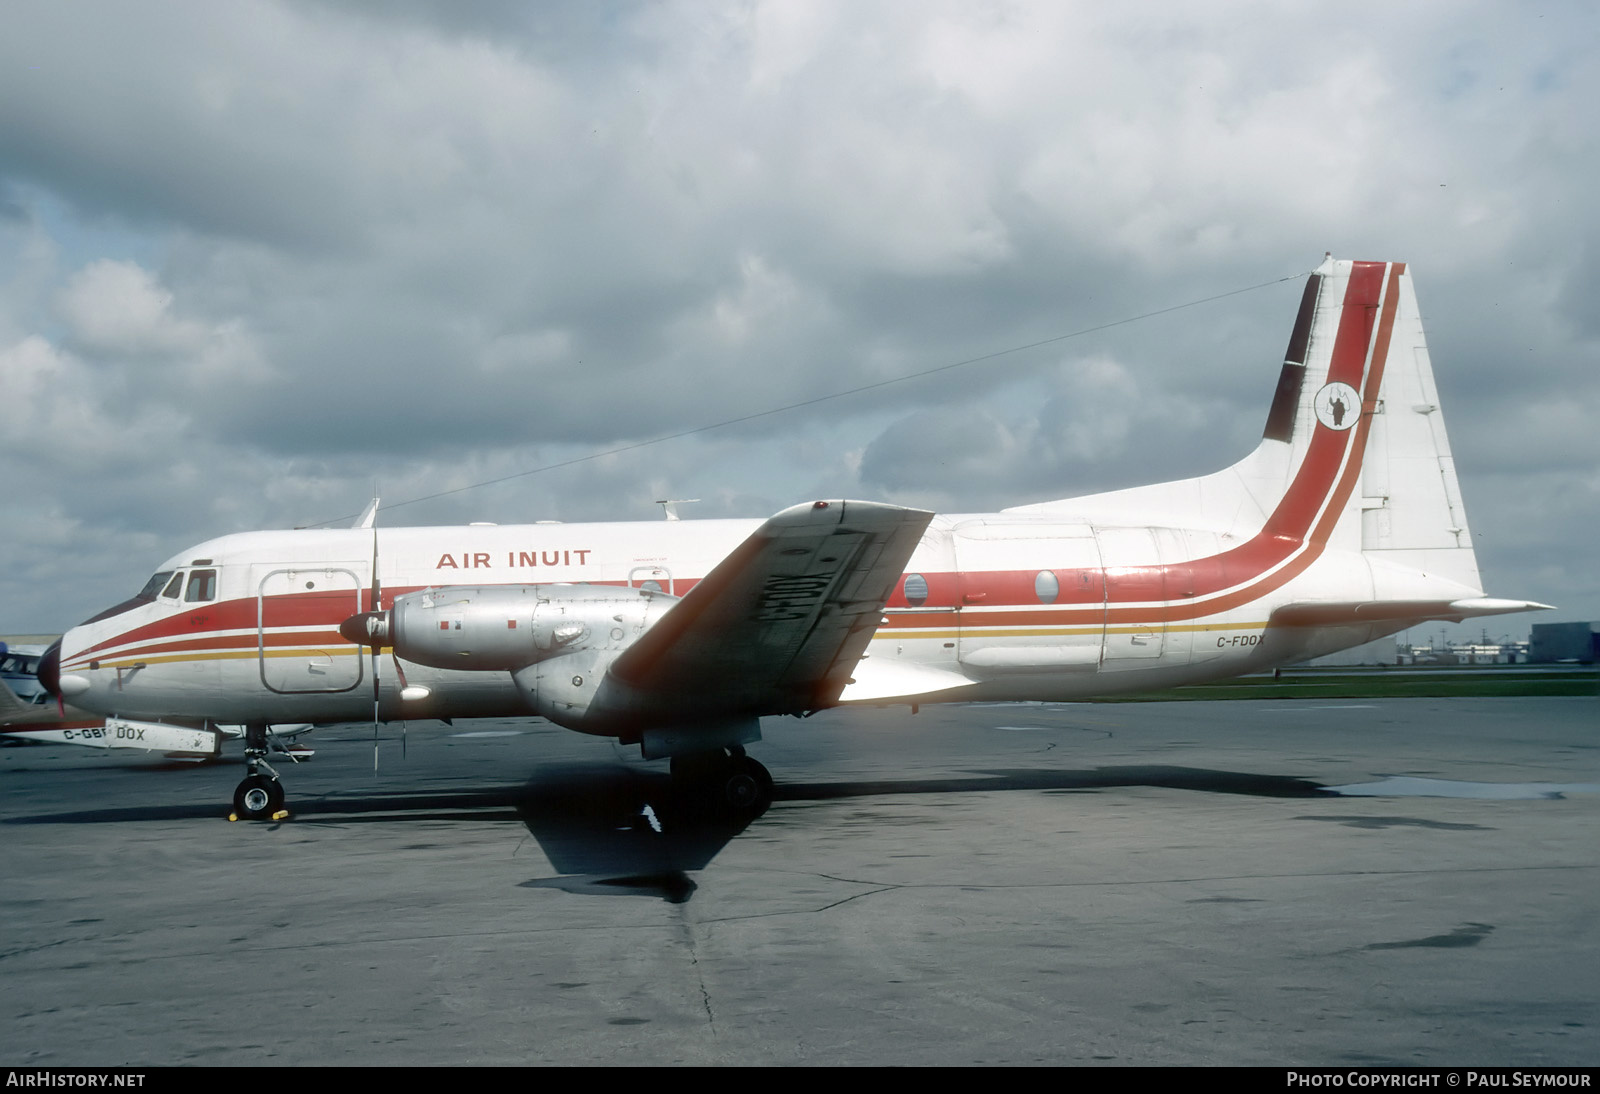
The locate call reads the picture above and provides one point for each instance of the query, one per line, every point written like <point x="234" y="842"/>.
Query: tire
<point x="718" y="785"/>
<point x="747" y="787"/>
<point x="257" y="798"/>
<point x="760" y="772"/>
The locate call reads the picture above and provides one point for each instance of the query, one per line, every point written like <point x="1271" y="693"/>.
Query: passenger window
<point x="916" y="589"/>
<point x="174" y="587"/>
<point x="1046" y="587"/>
<point x="202" y="586"/>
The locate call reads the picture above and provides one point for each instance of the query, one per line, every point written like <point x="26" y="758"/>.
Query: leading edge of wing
<point x="777" y="626"/>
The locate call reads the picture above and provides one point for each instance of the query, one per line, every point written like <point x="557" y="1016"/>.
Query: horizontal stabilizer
<point x="1396" y="611"/>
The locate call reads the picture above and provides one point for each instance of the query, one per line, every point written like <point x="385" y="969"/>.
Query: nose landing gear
<point x="259" y="796"/>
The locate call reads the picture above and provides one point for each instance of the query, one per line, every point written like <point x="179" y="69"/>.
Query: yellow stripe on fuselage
<point x="1049" y="632"/>
<point x="227" y="655"/>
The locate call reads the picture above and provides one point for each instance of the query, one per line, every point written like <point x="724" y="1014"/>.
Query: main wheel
<point x="727" y="786"/>
<point x="258" y="798"/>
<point x="747" y="786"/>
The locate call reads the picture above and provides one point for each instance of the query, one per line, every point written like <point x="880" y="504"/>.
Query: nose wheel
<point x="258" y="797"/>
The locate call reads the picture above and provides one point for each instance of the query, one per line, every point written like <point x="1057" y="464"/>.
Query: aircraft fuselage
<point x="992" y="607"/>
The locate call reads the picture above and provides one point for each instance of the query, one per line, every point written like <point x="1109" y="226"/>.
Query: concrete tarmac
<point x="1148" y="883"/>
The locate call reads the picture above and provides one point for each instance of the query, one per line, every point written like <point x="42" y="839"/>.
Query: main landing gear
<point x="259" y="796"/>
<point x="727" y="780"/>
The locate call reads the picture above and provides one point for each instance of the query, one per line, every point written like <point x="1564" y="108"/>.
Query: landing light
<point x="71" y="685"/>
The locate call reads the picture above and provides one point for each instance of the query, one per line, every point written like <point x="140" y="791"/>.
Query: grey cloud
<point x="423" y="245"/>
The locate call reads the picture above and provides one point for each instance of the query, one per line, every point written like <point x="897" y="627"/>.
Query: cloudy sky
<point x="261" y="259"/>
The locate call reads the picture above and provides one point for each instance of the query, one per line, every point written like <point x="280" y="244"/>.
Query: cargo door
<point x="298" y="612"/>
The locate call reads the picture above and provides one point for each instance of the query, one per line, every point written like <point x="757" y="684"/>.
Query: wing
<point x="13" y="709"/>
<point x="778" y="625"/>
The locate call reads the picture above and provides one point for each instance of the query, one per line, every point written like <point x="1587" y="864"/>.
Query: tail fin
<point x="1354" y="457"/>
<point x="1358" y="362"/>
<point x="1354" y="454"/>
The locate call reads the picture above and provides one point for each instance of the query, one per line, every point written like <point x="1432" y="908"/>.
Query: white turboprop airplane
<point x="1344" y="525"/>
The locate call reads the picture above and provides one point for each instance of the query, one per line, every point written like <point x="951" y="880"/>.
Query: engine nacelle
<point x="509" y="627"/>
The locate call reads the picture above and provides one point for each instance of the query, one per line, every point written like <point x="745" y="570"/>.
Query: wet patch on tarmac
<point x="1399" y="822"/>
<point x="1223" y="900"/>
<point x="1250" y="784"/>
<point x="1405" y="786"/>
<point x="1468" y="934"/>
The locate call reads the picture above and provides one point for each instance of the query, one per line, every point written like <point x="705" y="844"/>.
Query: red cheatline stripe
<point x="303" y="610"/>
<point x="250" y="640"/>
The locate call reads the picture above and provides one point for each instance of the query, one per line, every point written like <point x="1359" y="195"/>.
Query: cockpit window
<point x="174" y="587"/>
<point x="146" y="595"/>
<point x="153" y="586"/>
<point x="202" y="586"/>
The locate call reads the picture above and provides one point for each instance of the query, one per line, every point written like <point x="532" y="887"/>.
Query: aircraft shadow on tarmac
<point x="615" y="830"/>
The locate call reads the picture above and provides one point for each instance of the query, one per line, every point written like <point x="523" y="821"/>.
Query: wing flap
<point x="777" y="626"/>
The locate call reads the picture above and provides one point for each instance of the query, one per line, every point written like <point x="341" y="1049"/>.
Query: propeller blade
<point x="377" y="606"/>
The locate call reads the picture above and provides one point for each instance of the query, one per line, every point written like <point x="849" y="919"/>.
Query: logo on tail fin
<point x="1338" y="406"/>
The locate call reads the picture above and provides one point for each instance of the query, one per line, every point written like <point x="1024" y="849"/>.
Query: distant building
<point x="1478" y="653"/>
<point x="1565" y="642"/>
<point x="1464" y="653"/>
